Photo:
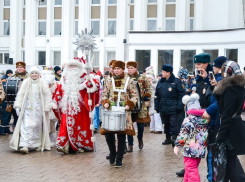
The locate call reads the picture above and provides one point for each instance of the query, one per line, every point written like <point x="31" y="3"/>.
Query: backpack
<point x="204" y="91"/>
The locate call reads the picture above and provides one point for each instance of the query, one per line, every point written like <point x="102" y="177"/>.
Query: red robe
<point x="76" y="128"/>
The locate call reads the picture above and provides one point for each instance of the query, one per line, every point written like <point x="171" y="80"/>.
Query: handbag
<point x="9" y="108"/>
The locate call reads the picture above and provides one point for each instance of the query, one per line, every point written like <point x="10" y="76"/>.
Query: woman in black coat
<point x="230" y="96"/>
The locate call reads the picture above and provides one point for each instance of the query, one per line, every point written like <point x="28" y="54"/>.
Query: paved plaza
<point x="154" y="163"/>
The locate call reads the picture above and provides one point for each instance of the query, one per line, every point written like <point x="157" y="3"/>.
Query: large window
<point x="76" y="18"/>
<point x="232" y="54"/>
<point x="95" y="1"/>
<point x="213" y="53"/>
<point x="96" y="59"/>
<point x="23" y="56"/>
<point x="41" y="58"/>
<point x="4" y="58"/>
<point x="43" y="3"/>
<point x="109" y="56"/>
<point x="131" y="24"/>
<point x="187" y="59"/>
<point x="95" y="26"/>
<point x="112" y="27"/>
<point x="57" y="27"/>
<point x="143" y="58"/>
<point x="112" y="1"/>
<point x="164" y="57"/>
<point x="6" y="28"/>
<point x="170" y="25"/>
<point x="57" y="58"/>
<point x="42" y="28"/>
<point x="151" y="25"/>
<point x="58" y="2"/>
<point x="6" y="2"/>
<point x="152" y="1"/>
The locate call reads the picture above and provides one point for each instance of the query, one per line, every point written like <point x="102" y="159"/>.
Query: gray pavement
<point x="154" y="163"/>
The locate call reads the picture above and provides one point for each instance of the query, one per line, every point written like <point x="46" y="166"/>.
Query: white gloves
<point x="54" y="105"/>
<point x="17" y="111"/>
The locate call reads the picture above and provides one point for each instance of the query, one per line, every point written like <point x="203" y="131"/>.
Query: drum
<point x="138" y="106"/>
<point x="114" y="121"/>
<point x="11" y="89"/>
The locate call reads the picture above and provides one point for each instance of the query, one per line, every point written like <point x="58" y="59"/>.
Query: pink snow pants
<point x="191" y="169"/>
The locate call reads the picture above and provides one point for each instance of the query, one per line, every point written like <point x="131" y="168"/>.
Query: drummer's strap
<point x="136" y="79"/>
<point x="119" y="90"/>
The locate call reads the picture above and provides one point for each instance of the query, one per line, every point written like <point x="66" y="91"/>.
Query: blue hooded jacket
<point x="213" y="109"/>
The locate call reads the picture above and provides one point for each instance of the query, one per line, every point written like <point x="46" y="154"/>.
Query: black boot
<point x="167" y="141"/>
<point x="118" y="163"/>
<point x="174" y="137"/>
<point x="181" y="173"/>
<point x="112" y="159"/>
<point x="108" y="157"/>
<point x="7" y="130"/>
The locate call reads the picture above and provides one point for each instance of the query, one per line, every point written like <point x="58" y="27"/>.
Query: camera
<point x="211" y="75"/>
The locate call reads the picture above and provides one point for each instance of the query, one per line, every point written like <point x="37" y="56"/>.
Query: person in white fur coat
<point x="156" y="122"/>
<point x="49" y="77"/>
<point x="33" y="103"/>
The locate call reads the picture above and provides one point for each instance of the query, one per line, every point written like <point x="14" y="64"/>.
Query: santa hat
<point x="119" y="64"/>
<point x="75" y="62"/>
<point x="34" y="69"/>
<point x="132" y="63"/>
<point x="192" y="101"/>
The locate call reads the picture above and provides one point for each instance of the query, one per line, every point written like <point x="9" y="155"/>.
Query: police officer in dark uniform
<point x="168" y="101"/>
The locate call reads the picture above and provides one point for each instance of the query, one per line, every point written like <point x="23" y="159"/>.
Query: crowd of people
<point x="193" y="110"/>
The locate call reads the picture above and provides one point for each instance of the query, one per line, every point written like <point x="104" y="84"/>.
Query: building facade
<point x="152" y="32"/>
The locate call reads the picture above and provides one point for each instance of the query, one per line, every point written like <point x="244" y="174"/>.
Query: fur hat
<point x="167" y="68"/>
<point x="202" y="58"/>
<point x="149" y="68"/>
<point x="75" y="62"/>
<point x="219" y="61"/>
<point x="192" y="101"/>
<point x="34" y="69"/>
<point x="119" y="64"/>
<point x="107" y="73"/>
<point x="20" y="63"/>
<point x="56" y="69"/>
<point x="132" y="63"/>
<point x="112" y="61"/>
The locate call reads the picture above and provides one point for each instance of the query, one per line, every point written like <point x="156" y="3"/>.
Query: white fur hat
<point x="192" y="101"/>
<point x="34" y="69"/>
<point x="75" y="63"/>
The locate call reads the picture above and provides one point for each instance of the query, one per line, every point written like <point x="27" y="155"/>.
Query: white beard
<point x="71" y="97"/>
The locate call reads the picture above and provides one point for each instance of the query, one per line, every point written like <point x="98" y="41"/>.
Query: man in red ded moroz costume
<point x="72" y="97"/>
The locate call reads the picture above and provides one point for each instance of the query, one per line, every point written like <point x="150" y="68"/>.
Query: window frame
<point x="52" y="61"/>
<point x="45" y="5"/>
<point x="107" y="33"/>
<point x="4" y="52"/>
<point x="192" y="59"/>
<point x="6" y="6"/>
<point x="38" y="21"/>
<point x="158" y="56"/>
<point x="131" y="19"/>
<point x="6" y="21"/>
<point x="106" y="64"/>
<point x="97" y="51"/>
<point x="107" y="1"/>
<point x="58" y="4"/>
<point x="37" y="57"/>
<point x="75" y="20"/>
<point x="152" y="3"/>
<point x="91" y="26"/>
<point x="170" y="18"/>
<point x="170" y="2"/>
<point x="95" y="4"/>
<point x="147" y="19"/>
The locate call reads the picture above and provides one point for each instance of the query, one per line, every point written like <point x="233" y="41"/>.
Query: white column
<point x="181" y="14"/>
<point x="84" y="15"/>
<point x="121" y="28"/>
<point x="30" y="32"/>
<point x="176" y="60"/>
<point x="140" y="14"/>
<point x="48" y="32"/>
<point x="67" y="34"/>
<point x="84" y="18"/>
<point x="101" y="43"/>
<point x="15" y="30"/>
<point x="241" y="55"/>
<point x="154" y="59"/>
<point x="221" y="52"/>
<point x="199" y="15"/>
<point x="160" y="14"/>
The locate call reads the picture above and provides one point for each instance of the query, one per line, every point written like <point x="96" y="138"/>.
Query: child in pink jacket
<point x="192" y="137"/>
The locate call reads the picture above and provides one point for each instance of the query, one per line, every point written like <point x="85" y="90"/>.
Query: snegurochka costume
<point x="32" y="104"/>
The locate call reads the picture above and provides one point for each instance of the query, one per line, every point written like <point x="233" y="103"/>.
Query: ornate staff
<point x="85" y="43"/>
